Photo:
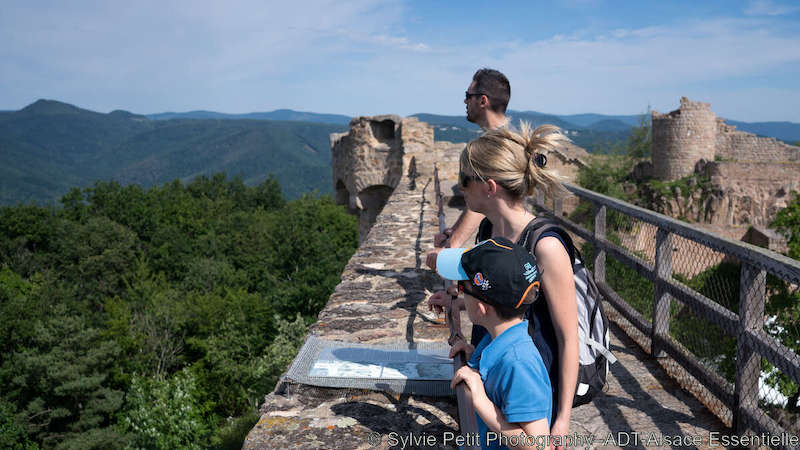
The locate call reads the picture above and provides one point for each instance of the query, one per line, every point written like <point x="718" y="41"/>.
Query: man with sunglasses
<point x="486" y="100"/>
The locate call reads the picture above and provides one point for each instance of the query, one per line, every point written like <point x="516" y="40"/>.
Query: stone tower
<point x="369" y="161"/>
<point x="681" y="138"/>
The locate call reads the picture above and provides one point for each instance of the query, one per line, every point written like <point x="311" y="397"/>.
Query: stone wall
<point x="682" y="137"/>
<point x="736" y="145"/>
<point x="379" y="300"/>
<point x="751" y="193"/>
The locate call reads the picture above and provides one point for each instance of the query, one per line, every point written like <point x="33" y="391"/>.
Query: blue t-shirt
<point x="542" y="330"/>
<point x="514" y="378"/>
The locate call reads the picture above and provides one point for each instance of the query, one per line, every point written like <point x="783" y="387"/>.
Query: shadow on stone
<point x="666" y="420"/>
<point x="401" y="418"/>
<point x="413" y="281"/>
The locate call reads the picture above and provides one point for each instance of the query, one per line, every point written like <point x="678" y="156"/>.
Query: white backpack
<point x="594" y="352"/>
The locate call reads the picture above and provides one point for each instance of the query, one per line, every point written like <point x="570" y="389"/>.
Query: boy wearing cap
<point x="509" y="383"/>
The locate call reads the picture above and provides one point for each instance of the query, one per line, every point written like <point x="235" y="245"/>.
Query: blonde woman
<point x="497" y="172"/>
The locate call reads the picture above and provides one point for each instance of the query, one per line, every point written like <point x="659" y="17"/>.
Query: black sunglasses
<point x="464" y="179"/>
<point x="468" y="94"/>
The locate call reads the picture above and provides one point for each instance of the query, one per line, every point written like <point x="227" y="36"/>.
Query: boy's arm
<point x="494" y="417"/>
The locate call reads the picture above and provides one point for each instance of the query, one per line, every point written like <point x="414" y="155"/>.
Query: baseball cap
<point x="498" y="270"/>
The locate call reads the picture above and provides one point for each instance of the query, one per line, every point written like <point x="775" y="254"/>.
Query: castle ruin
<point x="751" y="177"/>
<point x="692" y="133"/>
<point x="370" y="159"/>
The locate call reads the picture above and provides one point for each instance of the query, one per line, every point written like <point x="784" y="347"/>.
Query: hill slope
<point x="48" y="147"/>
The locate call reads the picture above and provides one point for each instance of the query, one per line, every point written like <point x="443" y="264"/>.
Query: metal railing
<point x="716" y="335"/>
<point x="466" y="412"/>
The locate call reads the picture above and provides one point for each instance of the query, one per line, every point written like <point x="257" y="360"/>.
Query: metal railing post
<point x="558" y="204"/>
<point x="661" y="299"/>
<point x="752" y="294"/>
<point x="599" y="234"/>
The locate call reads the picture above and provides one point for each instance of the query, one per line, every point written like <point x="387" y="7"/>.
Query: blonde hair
<point x="509" y="158"/>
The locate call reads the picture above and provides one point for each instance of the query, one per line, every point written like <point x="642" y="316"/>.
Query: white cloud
<point x="622" y="70"/>
<point x="769" y="8"/>
<point x="360" y="57"/>
<point x="160" y="52"/>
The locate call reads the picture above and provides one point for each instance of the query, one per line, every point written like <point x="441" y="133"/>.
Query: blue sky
<point x="365" y="57"/>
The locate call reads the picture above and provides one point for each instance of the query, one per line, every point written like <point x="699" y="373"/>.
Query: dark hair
<point x="508" y="313"/>
<point x="494" y="85"/>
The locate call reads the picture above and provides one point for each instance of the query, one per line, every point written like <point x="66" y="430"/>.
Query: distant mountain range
<point x="594" y="132"/>
<point x="278" y="114"/>
<point x="592" y="126"/>
<point x="49" y="147"/>
<point x="599" y="136"/>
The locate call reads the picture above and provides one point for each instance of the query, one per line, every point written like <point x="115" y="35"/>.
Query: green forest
<point x="159" y="317"/>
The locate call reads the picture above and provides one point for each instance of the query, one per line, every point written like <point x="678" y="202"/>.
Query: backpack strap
<point x="531" y="234"/>
<point x="540" y="225"/>
<point x="600" y="348"/>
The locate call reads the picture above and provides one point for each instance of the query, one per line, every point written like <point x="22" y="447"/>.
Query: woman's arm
<point x="559" y="288"/>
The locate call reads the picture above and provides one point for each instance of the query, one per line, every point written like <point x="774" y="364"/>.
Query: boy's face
<point x="471" y="303"/>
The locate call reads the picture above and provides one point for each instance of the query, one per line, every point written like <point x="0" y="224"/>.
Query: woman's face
<point x="471" y="187"/>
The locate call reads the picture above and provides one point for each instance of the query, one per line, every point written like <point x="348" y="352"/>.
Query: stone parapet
<point x="379" y="300"/>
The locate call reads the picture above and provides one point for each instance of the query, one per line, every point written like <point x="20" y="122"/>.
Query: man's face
<point x="473" y="103"/>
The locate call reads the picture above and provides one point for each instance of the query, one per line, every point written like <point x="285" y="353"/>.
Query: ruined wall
<point x="692" y="132"/>
<point x="369" y="161"/>
<point x="751" y="193"/>
<point x="682" y="137"/>
<point x="751" y="177"/>
<point x="567" y="160"/>
<point x="736" y="145"/>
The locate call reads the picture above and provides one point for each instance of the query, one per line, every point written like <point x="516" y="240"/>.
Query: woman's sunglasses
<point x="464" y="179"/>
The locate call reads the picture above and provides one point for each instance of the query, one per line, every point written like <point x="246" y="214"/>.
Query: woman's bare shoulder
<point x="550" y="247"/>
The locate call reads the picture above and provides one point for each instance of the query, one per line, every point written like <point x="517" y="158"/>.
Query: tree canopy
<point x="158" y="318"/>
